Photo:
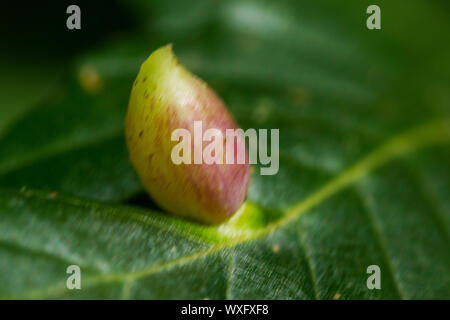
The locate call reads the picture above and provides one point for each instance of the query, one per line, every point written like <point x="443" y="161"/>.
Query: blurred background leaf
<point x="364" y="151"/>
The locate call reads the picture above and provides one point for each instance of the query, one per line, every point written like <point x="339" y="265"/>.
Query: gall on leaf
<point x="166" y="97"/>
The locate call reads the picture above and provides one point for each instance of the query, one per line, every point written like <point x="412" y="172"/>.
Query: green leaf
<point x="364" y="162"/>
